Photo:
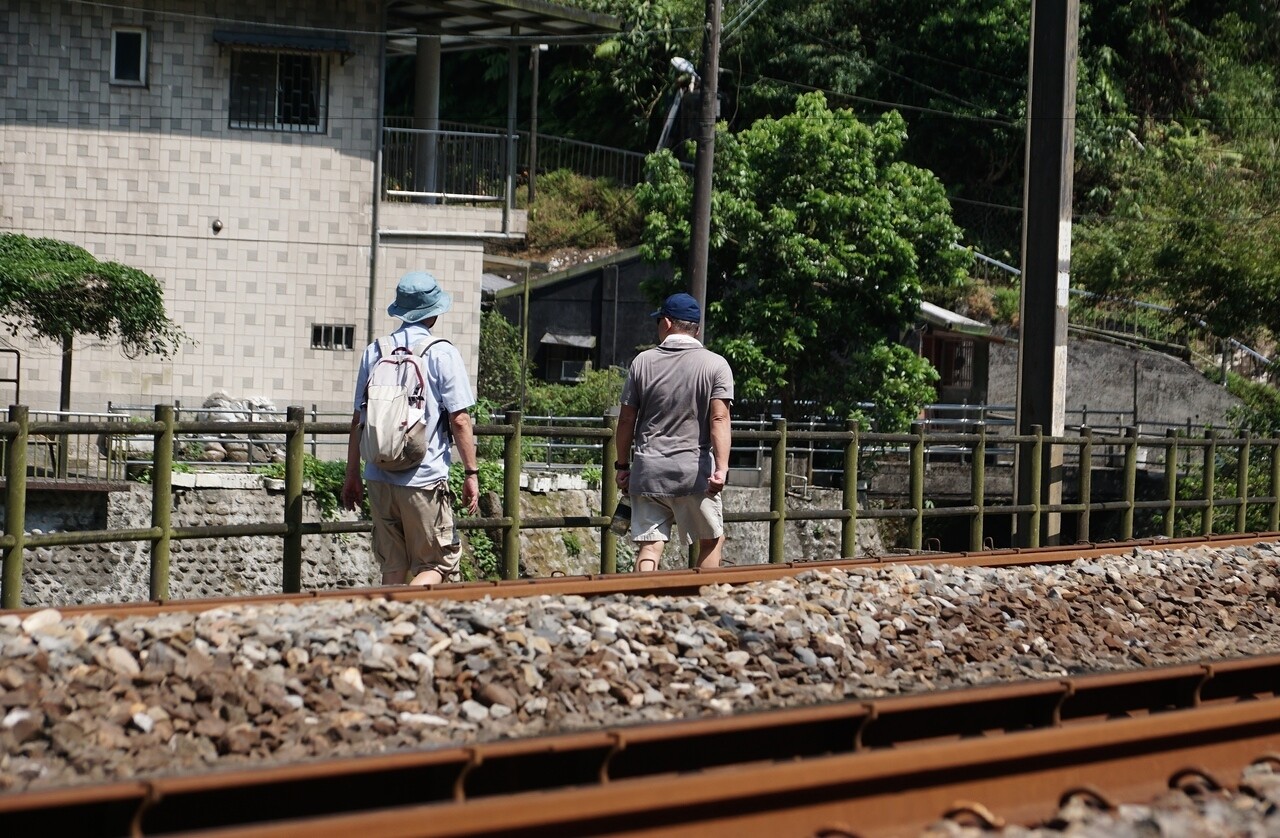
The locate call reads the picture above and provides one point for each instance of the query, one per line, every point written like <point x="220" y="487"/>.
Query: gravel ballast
<point x="99" y="698"/>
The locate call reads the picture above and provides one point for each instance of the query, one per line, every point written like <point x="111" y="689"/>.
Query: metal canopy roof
<point x="558" y="339"/>
<point x="480" y="20"/>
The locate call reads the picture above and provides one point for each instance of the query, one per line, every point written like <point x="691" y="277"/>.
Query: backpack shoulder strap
<point x="422" y="347"/>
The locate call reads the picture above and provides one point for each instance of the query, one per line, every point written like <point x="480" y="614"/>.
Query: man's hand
<point x="471" y="493"/>
<point x="622" y="478"/>
<point x="715" y="483"/>
<point x="352" y="492"/>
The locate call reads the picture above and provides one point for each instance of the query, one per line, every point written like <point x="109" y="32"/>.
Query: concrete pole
<point x="703" y="163"/>
<point x="426" y="114"/>
<point x="513" y="91"/>
<point x="1046" y="253"/>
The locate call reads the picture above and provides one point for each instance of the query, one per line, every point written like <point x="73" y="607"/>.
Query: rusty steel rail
<point x="860" y="767"/>
<point x="669" y="582"/>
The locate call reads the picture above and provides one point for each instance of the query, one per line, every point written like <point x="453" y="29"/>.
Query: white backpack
<point x="394" y="437"/>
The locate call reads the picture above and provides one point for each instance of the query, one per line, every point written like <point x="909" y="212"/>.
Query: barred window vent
<point x="331" y="336"/>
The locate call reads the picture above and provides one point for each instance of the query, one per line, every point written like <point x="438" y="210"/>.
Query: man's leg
<point x="651" y="520"/>
<point x="703" y="518"/>
<point x="709" y="551"/>
<point x="388" y="534"/>
<point x="433" y="548"/>
<point x="649" y="555"/>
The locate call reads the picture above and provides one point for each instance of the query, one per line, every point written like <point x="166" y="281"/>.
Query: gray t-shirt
<point x="671" y="387"/>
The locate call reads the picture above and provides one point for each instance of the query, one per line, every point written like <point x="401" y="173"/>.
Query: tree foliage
<point x="822" y="239"/>
<point x="499" y="377"/>
<point x="54" y="290"/>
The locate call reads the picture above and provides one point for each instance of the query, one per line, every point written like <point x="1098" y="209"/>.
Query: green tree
<point x="53" y="290"/>
<point x="821" y="241"/>
<point x="499" y="375"/>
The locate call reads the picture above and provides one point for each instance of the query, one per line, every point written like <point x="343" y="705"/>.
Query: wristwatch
<point x="470" y="471"/>
<point x="622" y="466"/>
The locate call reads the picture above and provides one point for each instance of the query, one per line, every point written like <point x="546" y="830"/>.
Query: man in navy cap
<point x="673" y="438"/>
<point x="413" y="533"/>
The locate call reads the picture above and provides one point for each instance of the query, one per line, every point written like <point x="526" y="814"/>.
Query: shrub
<point x="575" y="211"/>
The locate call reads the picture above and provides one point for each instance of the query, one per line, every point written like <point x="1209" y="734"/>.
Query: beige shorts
<point x="698" y="517"/>
<point x="413" y="530"/>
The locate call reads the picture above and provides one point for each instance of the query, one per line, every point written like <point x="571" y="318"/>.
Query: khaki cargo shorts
<point x="698" y="517"/>
<point x="413" y="530"/>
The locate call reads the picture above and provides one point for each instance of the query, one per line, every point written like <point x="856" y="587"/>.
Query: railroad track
<point x="673" y="582"/>
<point x="1002" y="754"/>
<point x="1005" y="753"/>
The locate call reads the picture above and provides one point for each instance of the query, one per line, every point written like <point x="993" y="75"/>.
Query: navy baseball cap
<point x="680" y="307"/>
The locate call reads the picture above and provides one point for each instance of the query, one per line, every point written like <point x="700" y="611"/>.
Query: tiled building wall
<point x="140" y="174"/>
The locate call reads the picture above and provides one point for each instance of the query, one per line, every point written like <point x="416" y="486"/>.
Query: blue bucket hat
<point x="680" y="307"/>
<point x="419" y="296"/>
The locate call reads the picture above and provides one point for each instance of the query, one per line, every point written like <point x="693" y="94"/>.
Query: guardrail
<point x="1207" y="458"/>
<point x="445" y="166"/>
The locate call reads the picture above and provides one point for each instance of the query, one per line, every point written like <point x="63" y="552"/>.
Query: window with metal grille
<point x="129" y="56"/>
<point x="331" y="336"/>
<point x="279" y="91"/>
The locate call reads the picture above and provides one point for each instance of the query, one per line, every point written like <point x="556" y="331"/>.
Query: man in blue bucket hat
<point x="412" y="507"/>
<point x="673" y="438"/>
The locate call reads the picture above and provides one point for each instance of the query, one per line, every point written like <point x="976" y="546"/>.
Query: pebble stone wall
<point x="94" y="698"/>
<point x="252" y="565"/>
<point x="120" y="572"/>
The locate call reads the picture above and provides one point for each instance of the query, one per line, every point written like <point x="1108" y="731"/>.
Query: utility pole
<point x="700" y="236"/>
<point x="1046" y="255"/>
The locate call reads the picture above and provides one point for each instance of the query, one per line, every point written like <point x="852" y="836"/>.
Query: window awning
<point x="283" y="42"/>
<point x="580" y="341"/>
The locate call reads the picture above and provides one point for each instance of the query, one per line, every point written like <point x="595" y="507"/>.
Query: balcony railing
<point x="462" y="163"/>
<point x="444" y="166"/>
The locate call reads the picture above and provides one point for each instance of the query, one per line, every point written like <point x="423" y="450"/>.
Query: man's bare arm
<point x="721" y="439"/>
<point x="625" y="436"/>
<point x="464" y="437"/>
<point x="353" y="486"/>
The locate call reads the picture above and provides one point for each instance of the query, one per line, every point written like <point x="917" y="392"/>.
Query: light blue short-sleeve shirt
<point x="447" y="379"/>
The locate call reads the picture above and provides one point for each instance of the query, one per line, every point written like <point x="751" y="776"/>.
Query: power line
<point x="895" y="105"/>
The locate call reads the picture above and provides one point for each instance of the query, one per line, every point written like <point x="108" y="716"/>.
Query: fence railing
<point x="1232" y="473"/>
<point x="444" y="166"/>
<point x="583" y="158"/>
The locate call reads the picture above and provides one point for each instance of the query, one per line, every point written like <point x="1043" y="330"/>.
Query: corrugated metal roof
<point x="580" y="341"/>
<point x="941" y="317"/>
<point x="284" y="41"/>
<point x="476" y="20"/>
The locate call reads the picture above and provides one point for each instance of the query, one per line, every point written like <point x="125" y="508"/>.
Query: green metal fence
<point x="1205" y="459"/>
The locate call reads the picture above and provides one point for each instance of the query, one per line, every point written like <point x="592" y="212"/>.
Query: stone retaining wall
<point x="120" y="572"/>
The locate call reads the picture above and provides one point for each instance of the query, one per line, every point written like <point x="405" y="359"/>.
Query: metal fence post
<point x="1037" y="482"/>
<point x="1086" y="482"/>
<point x="1242" y="483"/>
<point x="1171" y="482"/>
<point x="512" y="465"/>
<point x="315" y="417"/>
<point x="294" y="459"/>
<point x="778" y="494"/>
<point x="162" y="501"/>
<point x="609" y="497"/>
<point x="849" y="529"/>
<point x="977" y="486"/>
<point x="1210" y="457"/>
<point x="15" y="509"/>
<point x="1130" y="481"/>
<point x="1273" y="521"/>
<point x="916" y="486"/>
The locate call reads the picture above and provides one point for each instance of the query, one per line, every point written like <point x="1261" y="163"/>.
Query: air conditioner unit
<point x="572" y="370"/>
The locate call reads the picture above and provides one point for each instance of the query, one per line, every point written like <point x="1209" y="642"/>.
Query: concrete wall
<point x="1101" y="377"/>
<point x="139" y="175"/>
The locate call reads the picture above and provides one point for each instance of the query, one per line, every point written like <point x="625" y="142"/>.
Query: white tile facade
<point x="139" y="175"/>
